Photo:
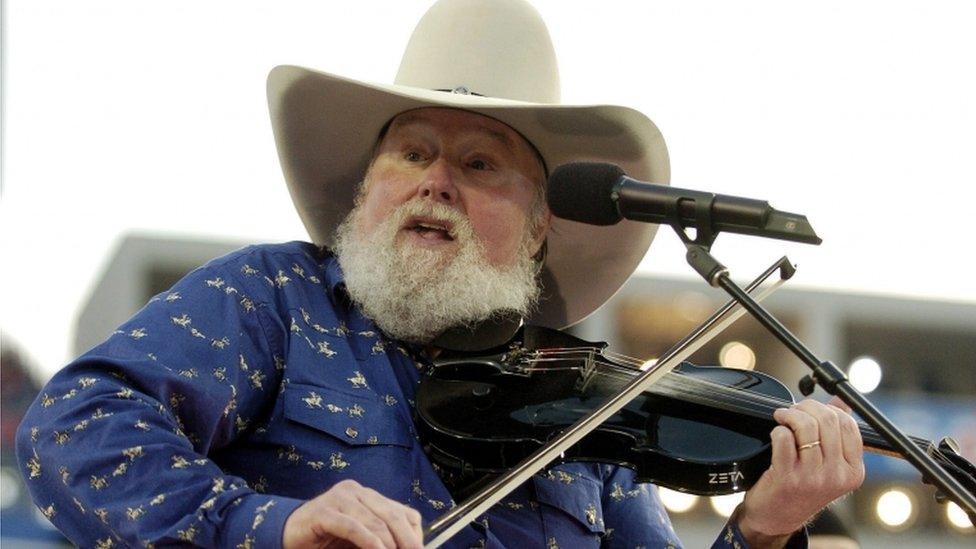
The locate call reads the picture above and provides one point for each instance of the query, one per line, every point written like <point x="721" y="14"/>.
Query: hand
<point x="351" y="515"/>
<point x="804" y="476"/>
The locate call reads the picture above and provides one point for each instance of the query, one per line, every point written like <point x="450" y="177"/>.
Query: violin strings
<point x="617" y="357"/>
<point x="733" y="393"/>
<point x="729" y="398"/>
<point x="771" y="403"/>
<point x="722" y="396"/>
<point x="691" y="386"/>
<point x="732" y="401"/>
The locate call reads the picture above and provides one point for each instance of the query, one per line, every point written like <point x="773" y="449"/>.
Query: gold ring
<point x="808" y="445"/>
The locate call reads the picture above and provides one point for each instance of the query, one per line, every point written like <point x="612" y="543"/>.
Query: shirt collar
<point x="335" y="281"/>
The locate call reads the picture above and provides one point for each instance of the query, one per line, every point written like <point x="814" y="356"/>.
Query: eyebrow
<point x="409" y="119"/>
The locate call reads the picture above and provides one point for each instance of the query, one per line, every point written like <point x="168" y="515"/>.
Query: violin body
<point x="480" y="415"/>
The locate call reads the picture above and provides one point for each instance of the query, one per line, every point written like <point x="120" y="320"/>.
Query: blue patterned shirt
<point x="253" y="385"/>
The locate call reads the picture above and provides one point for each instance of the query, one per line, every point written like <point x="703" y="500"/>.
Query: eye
<point x="480" y="165"/>
<point x="413" y="156"/>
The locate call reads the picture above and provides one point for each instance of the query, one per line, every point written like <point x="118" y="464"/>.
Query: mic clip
<point x="704" y="234"/>
<point x="697" y="256"/>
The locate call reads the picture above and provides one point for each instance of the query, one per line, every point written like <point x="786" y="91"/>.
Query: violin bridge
<point x="586" y="372"/>
<point x="518" y="360"/>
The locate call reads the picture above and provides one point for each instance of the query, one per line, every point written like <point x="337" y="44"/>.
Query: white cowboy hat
<point x="492" y="57"/>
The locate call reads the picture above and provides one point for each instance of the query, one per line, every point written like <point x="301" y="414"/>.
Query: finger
<point x="853" y="445"/>
<point x="416" y="522"/>
<point x="805" y="430"/>
<point x="353" y="507"/>
<point x="850" y="433"/>
<point x="828" y="425"/>
<point x="784" y="450"/>
<point x="340" y="525"/>
<point x="394" y="514"/>
<point x="836" y="401"/>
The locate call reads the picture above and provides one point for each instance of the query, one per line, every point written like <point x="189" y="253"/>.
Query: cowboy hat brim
<point x="326" y="127"/>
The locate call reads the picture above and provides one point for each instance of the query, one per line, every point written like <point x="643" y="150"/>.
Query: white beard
<point x="414" y="294"/>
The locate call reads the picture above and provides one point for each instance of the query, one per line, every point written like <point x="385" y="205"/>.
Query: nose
<point x="438" y="183"/>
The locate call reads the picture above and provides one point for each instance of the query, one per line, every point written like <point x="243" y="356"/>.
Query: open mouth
<point x="431" y="229"/>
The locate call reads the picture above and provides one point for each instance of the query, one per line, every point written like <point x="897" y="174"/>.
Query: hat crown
<point x="496" y="48"/>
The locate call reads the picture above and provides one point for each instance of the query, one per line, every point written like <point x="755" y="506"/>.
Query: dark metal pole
<point x="833" y="380"/>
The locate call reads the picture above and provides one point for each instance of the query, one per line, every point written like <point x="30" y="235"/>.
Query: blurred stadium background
<point x="122" y="116"/>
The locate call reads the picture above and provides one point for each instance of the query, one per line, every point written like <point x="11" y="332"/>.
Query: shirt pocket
<point x="360" y="419"/>
<point x="572" y="497"/>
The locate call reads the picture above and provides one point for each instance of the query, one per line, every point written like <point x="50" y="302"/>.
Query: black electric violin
<point x="702" y="430"/>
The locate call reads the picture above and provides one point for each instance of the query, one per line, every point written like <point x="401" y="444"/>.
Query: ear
<point x="540" y="232"/>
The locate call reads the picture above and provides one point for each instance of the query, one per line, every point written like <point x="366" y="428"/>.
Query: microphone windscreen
<point x="581" y="191"/>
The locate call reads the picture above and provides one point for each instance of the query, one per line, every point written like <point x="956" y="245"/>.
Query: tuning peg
<point x="807" y="384"/>
<point x="950" y="443"/>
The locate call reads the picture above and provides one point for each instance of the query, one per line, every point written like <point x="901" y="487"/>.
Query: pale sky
<point x="151" y="116"/>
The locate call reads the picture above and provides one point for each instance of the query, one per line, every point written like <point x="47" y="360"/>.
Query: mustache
<point x="461" y="229"/>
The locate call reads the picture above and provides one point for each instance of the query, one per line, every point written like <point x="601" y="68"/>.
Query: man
<point x="266" y="399"/>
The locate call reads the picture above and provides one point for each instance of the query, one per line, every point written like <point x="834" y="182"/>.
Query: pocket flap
<point x="575" y="495"/>
<point x="357" y="420"/>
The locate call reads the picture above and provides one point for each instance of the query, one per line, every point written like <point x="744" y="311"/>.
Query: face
<point x="468" y="162"/>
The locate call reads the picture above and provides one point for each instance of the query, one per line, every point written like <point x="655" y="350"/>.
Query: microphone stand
<point x="825" y="373"/>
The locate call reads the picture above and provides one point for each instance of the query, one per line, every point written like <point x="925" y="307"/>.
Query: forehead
<point x="457" y="123"/>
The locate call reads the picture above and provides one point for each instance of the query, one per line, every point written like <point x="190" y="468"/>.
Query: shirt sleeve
<point x="114" y="449"/>
<point x="633" y="514"/>
<point x="732" y="537"/>
<point x="635" y="517"/>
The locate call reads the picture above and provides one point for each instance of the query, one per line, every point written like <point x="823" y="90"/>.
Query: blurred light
<point x="692" y="306"/>
<point x="895" y="509"/>
<point x="724" y="505"/>
<point x="865" y="374"/>
<point x="675" y="501"/>
<point x="736" y="354"/>
<point x="648" y="364"/>
<point x="958" y="518"/>
<point x="9" y="488"/>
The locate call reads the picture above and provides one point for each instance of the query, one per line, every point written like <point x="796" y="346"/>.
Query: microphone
<point x="602" y="194"/>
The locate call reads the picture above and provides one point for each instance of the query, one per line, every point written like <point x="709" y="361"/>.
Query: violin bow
<point x="448" y="524"/>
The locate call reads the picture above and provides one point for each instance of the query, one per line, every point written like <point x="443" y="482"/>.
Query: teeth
<point x="421" y="226"/>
